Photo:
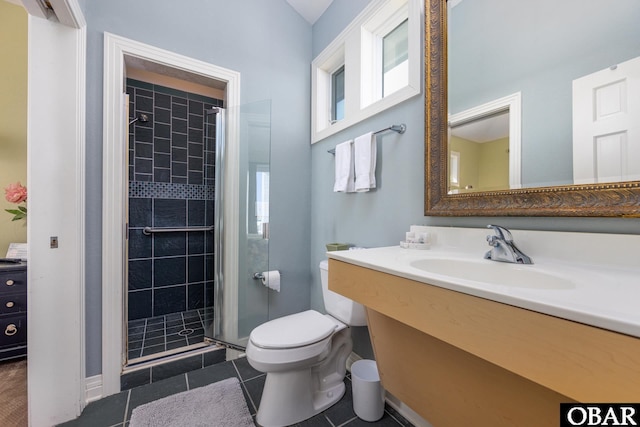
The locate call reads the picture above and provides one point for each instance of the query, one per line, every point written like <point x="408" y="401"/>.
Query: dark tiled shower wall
<point x="171" y="178"/>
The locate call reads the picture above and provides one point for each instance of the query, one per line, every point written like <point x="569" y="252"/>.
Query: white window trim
<point x="374" y="30"/>
<point x="321" y="79"/>
<point x="350" y="49"/>
<point x="513" y="104"/>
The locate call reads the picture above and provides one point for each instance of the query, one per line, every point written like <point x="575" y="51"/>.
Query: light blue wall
<point x="270" y="45"/>
<point x="335" y="19"/>
<point x="379" y="217"/>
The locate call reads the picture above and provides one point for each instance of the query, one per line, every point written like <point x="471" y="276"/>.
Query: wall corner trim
<point x="92" y="389"/>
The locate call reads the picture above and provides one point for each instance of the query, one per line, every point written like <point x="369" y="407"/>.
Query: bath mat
<point x="219" y="404"/>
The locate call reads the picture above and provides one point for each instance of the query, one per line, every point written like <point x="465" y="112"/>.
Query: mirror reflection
<point x="479" y="154"/>
<point x="575" y="65"/>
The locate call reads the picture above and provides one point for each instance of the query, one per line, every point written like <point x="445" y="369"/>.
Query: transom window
<point x="381" y="51"/>
<point x="395" y="59"/>
<point x="337" y="95"/>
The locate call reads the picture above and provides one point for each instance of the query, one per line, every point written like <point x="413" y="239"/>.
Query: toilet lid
<point x="296" y="330"/>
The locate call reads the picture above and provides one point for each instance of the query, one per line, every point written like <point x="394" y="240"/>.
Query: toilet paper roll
<point x="271" y="279"/>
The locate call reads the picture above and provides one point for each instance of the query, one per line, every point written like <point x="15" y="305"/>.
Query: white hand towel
<point x="344" y="168"/>
<point x="365" y="162"/>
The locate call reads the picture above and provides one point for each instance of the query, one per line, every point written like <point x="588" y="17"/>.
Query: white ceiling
<point x="310" y="10"/>
<point x="485" y="129"/>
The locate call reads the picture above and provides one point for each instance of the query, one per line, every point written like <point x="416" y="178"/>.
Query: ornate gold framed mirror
<point x="568" y="193"/>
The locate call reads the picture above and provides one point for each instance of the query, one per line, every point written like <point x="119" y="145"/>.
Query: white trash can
<point x="368" y="394"/>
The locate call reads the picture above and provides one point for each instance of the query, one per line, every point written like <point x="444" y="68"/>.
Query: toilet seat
<point x="294" y="331"/>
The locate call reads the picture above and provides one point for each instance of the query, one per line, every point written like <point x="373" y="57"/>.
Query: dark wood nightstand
<point x="13" y="310"/>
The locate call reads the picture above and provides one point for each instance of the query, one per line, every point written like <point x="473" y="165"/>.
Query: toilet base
<point x="290" y="397"/>
<point x="287" y="398"/>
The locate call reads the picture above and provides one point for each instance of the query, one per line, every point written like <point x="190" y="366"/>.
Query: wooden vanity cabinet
<point x="457" y="359"/>
<point x="13" y="310"/>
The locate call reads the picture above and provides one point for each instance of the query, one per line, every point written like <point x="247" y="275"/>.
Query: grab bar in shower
<point x="147" y="231"/>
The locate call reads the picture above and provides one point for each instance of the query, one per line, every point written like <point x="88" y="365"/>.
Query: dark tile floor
<point x="196" y="359"/>
<point x="116" y="410"/>
<point x="170" y="332"/>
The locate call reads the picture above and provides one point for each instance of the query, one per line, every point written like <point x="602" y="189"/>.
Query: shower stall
<point x="176" y="297"/>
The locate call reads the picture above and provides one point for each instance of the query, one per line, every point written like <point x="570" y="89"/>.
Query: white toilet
<point x="304" y="356"/>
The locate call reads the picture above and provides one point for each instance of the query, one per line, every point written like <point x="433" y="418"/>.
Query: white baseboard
<point x="92" y="388"/>
<point x="408" y="413"/>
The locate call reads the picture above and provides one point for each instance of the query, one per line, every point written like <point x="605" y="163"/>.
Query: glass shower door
<point x="242" y="303"/>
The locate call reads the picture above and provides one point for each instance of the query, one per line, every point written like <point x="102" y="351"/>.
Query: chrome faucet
<point x="503" y="249"/>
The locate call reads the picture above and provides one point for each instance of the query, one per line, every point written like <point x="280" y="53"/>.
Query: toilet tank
<point x="342" y="308"/>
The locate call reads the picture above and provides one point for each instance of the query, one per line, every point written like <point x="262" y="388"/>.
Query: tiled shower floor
<point x="163" y="335"/>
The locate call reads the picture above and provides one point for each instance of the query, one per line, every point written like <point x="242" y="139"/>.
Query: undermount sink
<point x="496" y="273"/>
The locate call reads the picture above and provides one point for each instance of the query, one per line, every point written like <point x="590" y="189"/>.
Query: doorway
<point x="121" y="56"/>
<point x="171" y="196"/>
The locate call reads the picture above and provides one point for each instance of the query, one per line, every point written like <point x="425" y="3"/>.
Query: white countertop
<point x="603" y="286"/>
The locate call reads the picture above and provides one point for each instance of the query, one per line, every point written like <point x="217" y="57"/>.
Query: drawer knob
<point x="10" y="304"/>
<point x="10" y="282"/>
<point x="10" y="330"/>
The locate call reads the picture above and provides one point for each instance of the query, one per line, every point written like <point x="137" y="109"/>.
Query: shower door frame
<point x="117" y="50"/>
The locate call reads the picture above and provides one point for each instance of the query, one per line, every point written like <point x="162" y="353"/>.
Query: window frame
<point x="359" y="48"/>
<point x="334" y="103"/>
<point x="382" y="57"/>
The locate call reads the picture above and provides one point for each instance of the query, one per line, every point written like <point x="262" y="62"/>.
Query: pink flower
<point x="15" y="193"/>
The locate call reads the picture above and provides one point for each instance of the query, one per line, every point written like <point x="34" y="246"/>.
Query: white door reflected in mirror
<point x="606" y="139"/>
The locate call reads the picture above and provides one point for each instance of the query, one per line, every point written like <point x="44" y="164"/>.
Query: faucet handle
<point x="502" y="232"/>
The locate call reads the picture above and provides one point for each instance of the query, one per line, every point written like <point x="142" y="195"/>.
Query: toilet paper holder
<point x="258" y="276"/>
<point x="270" y="279"/>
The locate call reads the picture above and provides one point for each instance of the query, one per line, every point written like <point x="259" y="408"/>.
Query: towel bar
<point x="395" y="128"/>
